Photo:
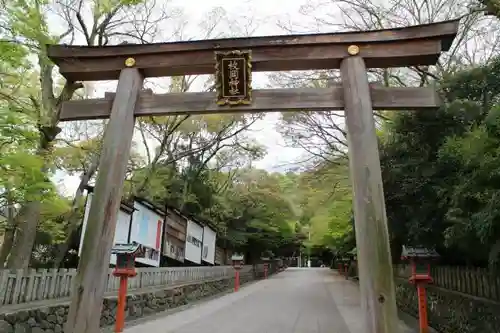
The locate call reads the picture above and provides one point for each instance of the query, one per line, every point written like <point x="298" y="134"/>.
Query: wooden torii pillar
<point x="352" y="52"/>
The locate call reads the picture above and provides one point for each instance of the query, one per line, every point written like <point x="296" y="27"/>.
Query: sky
<point x="263" y="18"/>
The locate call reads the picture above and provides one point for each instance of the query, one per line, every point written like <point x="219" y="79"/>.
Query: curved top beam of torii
<point x="399" y="47"/>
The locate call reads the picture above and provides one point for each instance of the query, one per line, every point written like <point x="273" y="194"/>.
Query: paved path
<point x="296" y="301"/>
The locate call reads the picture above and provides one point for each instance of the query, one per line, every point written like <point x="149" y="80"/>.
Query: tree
<point x="327" y="204"/>
<point x="257" y="216"/>
<point x="322" y="134"/>
<point x="446" y="160"/>
<point x="26" y="25"/>
<point x="20" y="180"/>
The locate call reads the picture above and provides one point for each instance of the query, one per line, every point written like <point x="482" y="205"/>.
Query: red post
<point x="421" y="279"/>
<point x="236" y="280"/>
<point x="265" y="271"/>
<point x="237" y="264"/>
<point x="122" y="301"/>
<point x="125" y="268"/>
<point x="422" y="308"/>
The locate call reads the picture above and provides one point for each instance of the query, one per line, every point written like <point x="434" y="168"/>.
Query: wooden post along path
<point x="372" y="236"/>
<point x="91" y="279"/>
<point x="350" y="52"/>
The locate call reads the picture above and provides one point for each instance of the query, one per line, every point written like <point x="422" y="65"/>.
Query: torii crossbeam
<point x="352" y="52"/>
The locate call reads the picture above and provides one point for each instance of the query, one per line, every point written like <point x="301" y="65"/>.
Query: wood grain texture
<point x="90" y="282"/>
<point x="266" y="100"/>
<point x="409" y="46"/>
<point x="445" y="30"/>
<point x="378" y="297"/>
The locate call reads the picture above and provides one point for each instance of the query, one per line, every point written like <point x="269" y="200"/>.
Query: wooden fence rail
<point x="30" y="285"/>
<point x="468" y="280"/>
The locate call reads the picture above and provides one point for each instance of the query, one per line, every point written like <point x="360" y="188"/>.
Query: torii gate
<point x="352" y="52"/>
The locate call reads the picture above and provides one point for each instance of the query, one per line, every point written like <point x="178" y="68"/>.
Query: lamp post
<point x="237" y="264"/>
<point x="353" y="260"/>
<point x="420" y="259"/>
<point x="345" y="261"/>
<point x="266" y="266"/>
<point x="338" y="260"/>
<point x="124" y="268"/>
<point x="343" y="265"/>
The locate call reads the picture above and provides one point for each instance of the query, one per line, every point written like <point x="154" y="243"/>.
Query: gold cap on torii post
<point x="130" y="62"/>
<point x="353" y="50"/>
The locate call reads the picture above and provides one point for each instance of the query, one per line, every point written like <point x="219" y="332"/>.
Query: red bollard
<point x="122" y="302"/>
<point x="422" y="308"/>
<point x="420" y="259"/>
<point x="125" y="268"/>
<point x="237" y="264"/>
<point x="236" y="279"/>
<point x="265" y="260"/>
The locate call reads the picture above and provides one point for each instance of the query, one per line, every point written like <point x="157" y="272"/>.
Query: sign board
<point x="121" y="231"/>
<point x="220" y="256"/>
<point x="233" y="77"/>
<point x="174" y="237"/>
<point x="172" y="250"/>
<point x="194" y="242"/>
<point x="208" y="251"/>
<point x="147" y="230"/>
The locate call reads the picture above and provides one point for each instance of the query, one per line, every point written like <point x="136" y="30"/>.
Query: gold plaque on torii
<point x="233" y="77"/>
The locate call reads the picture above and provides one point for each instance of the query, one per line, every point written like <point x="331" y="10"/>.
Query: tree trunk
<point x="493" y="257"/>
<point x="25" y="236"/>
<point x="74" y="218"/>
<point x="8" y="241"/>
<point x="73" y="223"/>
<point x="20" y="255"/>
<point x="10" y="229"/>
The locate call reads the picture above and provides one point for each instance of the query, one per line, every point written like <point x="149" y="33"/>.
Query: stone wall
<point x="51" y="319"/>
<point x="449" y="311"/>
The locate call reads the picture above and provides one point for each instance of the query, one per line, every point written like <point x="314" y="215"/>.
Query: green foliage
<point x="327" y="205"/>
<point x="250" y="210"/>
<point x="441" y="174"/>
